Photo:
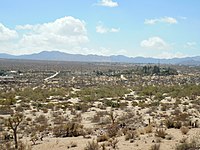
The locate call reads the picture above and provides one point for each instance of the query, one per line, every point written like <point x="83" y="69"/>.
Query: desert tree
<point x="112" y="116"/>
<point x="13" y="123"/>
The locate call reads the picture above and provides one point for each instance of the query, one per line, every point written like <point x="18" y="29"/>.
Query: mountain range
<point x="61" y="56"/>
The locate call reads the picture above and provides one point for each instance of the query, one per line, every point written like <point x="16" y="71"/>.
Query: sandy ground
<point x="144" y="142"/>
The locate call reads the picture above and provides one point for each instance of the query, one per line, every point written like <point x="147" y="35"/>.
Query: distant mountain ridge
<point x="61" y="56"/>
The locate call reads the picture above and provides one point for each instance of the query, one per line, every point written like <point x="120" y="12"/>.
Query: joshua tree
<point x="13" y="122"/>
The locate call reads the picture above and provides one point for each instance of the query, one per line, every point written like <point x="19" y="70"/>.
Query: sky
<point x="148" y="28"/>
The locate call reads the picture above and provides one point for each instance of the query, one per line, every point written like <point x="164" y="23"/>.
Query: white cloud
<point x="156" y="43"/>
<point x="102" y="29"/>
<point x="114" y="29"/>
<point x="108" y="3"/>
<point x="24" y="27"/>
<point x="7" y="34"/>
<point x="63" y="33"/>
<point x="168" y="20"/>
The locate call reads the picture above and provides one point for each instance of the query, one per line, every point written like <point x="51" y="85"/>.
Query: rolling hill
<point x="61" y="56"/>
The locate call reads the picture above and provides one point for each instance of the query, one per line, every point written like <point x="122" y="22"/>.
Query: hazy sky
<point x="150" y="28"/>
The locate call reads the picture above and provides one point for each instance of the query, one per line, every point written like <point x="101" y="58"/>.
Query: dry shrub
<point x="6" y="110"/>
<point x="77" y="118"/>
<point x="41" y="119"/>
<point x="88" y="131"/>
<point x="185" y="146"/>
<point x="112" y="130"/>
<point x="24" y="146"/>
<point x="169" y="123"/>
<point x="155" y="147"/>
<point x="173" y="123"/>
<point x="102" y="138"/>
<point x="113" y="117"/>
<point x="184" y="130"/>
<point x="41" y="127"/>
<point x="130" y="135"/>
<point x="82" y="107"/>
<point x="68" y="130"/>
<point x="113" y="143"/>
<point x="96" y="118"/>
<point x="92" y="146"/>
<point x="59" y="120"/>
<point x="148" y="129"/>
<point x="124" y="131"/>
<point x="34" y="138"/>
<point x="10" y="146"/>
<point x="177" y="124"/>
<point x="160" y="133"/>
